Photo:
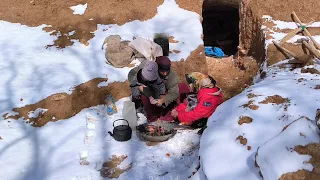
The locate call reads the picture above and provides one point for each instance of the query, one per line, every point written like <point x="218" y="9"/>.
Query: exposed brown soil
<point x="301" y="79"/>
<point x="317" y="86"/>
<point x="58" y="14"/>
<point x="251" y="95"/>
<point x="251" y="36"/>
<point x="250" y="105"/>
<point x="191" y="5"/>
<point x="64" y="106"/>
<point x="300" y="174"/>
<point x="110" y="168"/>
<point x="229" y="77"/>
<point x="253" y="107"/>
<point x="176" y="51"/>
<point x="314" y="151"/>
<point x="310" y="70"/>
<point x="281" y="10"/>
<point x="276" y="99"/>
<point x="196" y="62"/>
<point x="172" y="40"/>
<point x="242" y="140"/>
<point x="249" y="148"/>
<point x="245" y="119"/>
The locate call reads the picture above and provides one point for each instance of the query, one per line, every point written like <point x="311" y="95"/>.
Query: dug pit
<point x="221" y="25"/>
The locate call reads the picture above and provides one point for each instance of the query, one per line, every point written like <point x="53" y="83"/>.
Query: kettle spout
<point x="110" y="133"/>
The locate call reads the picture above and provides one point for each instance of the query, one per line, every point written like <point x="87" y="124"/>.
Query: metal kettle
<point x="121" y="132"/>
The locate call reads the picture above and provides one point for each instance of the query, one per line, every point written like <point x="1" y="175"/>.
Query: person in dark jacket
<point x="145" y="81"/>
<point x="160" y="107"/>
<point x="209" y="97"/>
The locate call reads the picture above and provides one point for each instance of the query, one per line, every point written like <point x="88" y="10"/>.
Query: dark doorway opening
<point x="221" y="27"/>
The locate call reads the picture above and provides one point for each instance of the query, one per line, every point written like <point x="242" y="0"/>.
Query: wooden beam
<point x="295" y="17"/>
<point x="312" y="49"/>
<point x="292" y="54"/>
<point x="294" y="32"/>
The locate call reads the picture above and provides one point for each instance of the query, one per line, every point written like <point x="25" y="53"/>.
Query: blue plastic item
<point x="213" y="51"/>
<point x="111" y="106"/>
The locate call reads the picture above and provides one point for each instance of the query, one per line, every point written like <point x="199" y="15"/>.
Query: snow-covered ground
<point x="53" y="151"/>
<point x="32" y="72"/>
<point x="222" y="154"/>
<point x="228" y="147"/>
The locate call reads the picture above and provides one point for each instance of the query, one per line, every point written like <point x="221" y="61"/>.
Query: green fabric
<point x="172" y="85"/>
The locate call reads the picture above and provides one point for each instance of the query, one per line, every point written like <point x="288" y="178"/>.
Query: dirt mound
<point x="63" y="106"/>
<point x="196" y="62"/>
<point x="229" y="76"/>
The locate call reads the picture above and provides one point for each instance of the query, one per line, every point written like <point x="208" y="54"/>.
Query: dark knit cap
<point x="164" y="63"/>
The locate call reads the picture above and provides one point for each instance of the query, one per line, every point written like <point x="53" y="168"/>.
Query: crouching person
<point x="157" y="99"/>
<point x="145" y="83"/>
<point x="209" y="97"/>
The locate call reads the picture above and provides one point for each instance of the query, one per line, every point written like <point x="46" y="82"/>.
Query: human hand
<point x="160" y="102"/>
<point x="141" y="88"/>
<point x="152" y="100"/>
<point x="174" y="113"/>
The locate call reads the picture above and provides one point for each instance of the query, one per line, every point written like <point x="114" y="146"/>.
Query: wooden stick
<point x="312" y="49"/>
<point x="284" y="49"/>
<point x="294" y="32"/>
<point x="295" y="17"/>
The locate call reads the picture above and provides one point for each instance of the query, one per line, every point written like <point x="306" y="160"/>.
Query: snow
<point x="37" y="112"/>
<point x="54" y="151"/>
<point x="276" y="157"/>
<point x="79" y="9"/>
<point x="223" y="157"/>
<point x="183" y="25"/>
<point x="281" y="25"/>
<point x="32" y="72"/>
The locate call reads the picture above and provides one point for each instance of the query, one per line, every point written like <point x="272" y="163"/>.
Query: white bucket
<point x="129" y="113"/>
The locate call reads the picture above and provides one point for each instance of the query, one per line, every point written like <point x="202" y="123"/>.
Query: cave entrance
<point x="221" y="25"/>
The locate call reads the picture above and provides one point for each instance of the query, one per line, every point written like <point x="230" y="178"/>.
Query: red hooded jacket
<point x="208" y="100"/>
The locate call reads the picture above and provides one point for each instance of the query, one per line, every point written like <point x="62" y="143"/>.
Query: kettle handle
<point x="120" y="120"/>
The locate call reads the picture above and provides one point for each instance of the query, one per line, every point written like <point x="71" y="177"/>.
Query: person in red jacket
<point x="209" y="97"/>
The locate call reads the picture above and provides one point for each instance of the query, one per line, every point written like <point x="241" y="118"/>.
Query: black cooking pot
<point x="121" y="132"/>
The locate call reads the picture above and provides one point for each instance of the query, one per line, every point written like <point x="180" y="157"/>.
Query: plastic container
<point x="111" y="106"/>
<point x="129" y="113"/>
<point x="163" y="40"/>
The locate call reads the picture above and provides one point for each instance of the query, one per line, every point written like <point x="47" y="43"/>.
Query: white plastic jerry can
<point x="129" y="114"/>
